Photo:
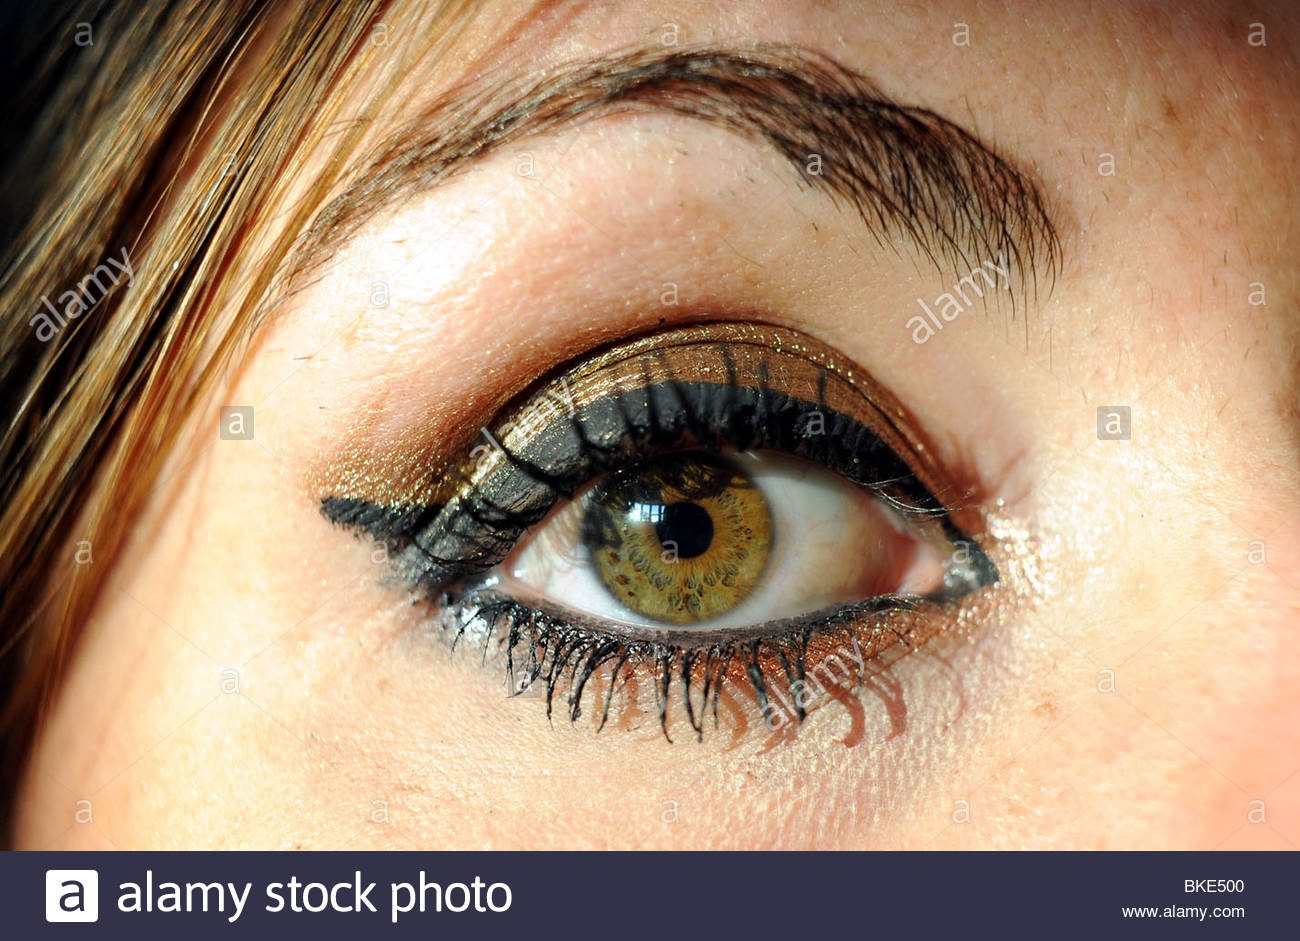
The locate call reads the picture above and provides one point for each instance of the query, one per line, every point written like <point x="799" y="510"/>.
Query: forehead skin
<point x="1142" y="704"/>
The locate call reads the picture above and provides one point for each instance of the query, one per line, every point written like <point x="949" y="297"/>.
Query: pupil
<point x="688" y="525"/>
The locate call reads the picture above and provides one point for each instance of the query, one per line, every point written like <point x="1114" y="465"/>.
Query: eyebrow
<point x="905" y="170"/>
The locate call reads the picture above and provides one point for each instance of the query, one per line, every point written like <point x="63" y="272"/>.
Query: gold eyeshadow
<point x="782" y="360"/>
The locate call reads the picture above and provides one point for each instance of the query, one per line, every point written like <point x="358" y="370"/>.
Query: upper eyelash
<point x="459" y="528"/>
<point x="484" y="531"/>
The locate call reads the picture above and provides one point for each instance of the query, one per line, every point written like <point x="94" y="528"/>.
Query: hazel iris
<point x="681" y="538"/>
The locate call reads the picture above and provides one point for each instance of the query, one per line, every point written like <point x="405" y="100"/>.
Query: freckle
<point x="1169" y="111"/>
<point x="1047" y="711"/>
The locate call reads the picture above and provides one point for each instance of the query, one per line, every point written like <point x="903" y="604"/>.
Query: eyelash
<point x="560" y="652"/>
<point x="462" y="528"/>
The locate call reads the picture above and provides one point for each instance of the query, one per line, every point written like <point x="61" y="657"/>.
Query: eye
<point x="718" y="503"/>
<point x="719" y="541"/>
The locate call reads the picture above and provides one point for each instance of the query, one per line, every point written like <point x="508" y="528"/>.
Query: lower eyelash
<point x="773" y="662"/>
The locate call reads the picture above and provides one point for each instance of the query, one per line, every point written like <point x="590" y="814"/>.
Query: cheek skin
<point x="349" y="729"/>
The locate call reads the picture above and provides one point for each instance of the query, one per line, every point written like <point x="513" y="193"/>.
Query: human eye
<point x="703" y="540"/>
<point x="723" y="503"/>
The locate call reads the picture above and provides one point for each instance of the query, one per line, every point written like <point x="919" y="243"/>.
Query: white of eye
<point x="832" y="542"/>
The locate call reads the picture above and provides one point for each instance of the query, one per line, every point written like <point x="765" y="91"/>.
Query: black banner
<point x="648" y="895"/>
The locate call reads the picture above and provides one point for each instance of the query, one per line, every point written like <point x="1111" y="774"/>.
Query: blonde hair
<point x="164" y="137"/>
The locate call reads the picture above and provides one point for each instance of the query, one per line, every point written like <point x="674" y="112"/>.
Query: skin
<point x="1132" y="689"/>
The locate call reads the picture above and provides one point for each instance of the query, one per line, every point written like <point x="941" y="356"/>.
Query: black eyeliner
<point x="477" y="528"/>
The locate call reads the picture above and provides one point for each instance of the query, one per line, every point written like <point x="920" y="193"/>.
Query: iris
<point x="681" y="538"/>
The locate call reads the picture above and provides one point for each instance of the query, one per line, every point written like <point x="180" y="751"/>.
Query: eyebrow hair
<point x="906" y="170"/>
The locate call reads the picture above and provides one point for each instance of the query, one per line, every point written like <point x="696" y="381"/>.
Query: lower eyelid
<point x="839" y="657"/>
<point x="582" y="672"/>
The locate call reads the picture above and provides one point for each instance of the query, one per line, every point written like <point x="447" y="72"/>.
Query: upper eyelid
<point x="416" y="519"/>
<point x="726" y="338"/>
<point x="906" y="170"/>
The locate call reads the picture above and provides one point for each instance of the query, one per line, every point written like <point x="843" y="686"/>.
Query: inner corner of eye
<point x="719" y="539"/>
